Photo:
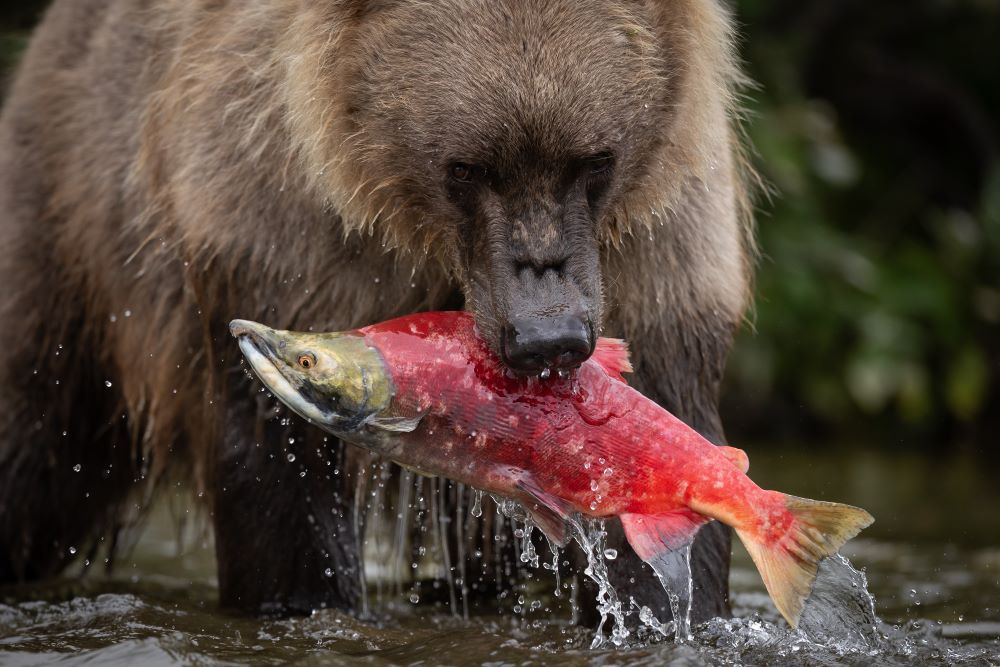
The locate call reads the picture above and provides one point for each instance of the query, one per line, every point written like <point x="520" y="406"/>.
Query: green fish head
<point x="332" y="379"/>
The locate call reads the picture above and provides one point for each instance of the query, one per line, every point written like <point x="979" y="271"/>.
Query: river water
<point x="932" y="563"/>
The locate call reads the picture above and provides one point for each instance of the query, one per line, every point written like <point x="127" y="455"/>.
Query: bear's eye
<point x="307" y="361"/>
<point x="462" y="172"/>
<point x="600" y="164"/>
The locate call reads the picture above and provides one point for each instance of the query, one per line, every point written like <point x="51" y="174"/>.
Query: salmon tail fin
<point x="611" y="354"/>
<point x="789" y="565"/>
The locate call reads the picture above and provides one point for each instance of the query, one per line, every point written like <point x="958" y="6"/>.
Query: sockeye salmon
<point x="426" y="392"/>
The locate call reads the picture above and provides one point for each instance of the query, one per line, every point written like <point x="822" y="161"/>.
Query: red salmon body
<point x="588" y="438"/>
<point x="425" y="391"/>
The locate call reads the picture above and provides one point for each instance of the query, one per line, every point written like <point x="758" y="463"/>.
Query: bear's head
<point x="515" y="142"/>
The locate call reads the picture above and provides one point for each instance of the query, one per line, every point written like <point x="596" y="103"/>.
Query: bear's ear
<point x="611" y="354"/>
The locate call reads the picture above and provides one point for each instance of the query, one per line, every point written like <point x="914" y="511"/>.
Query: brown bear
<point x="559" y="168"/>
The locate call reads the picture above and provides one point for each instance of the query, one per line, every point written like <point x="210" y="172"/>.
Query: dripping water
<point x="440" y="522"/>
<point x="477" y="503"/>
<point x="591" y="536"/>
<point x="360" y="521"/>
<point x="673" y="569"/>
<point x="404" y="504"/>
<point x="460" y="539"/>
<point x="840" y="611"/>
<point x="554" y="565"/>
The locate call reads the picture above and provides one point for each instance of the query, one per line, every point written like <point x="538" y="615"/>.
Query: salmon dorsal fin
<point x="611" y="354"/>
<point x="737" y="457"/>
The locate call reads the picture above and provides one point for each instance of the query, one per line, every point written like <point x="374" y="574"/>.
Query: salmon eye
<point x="307" y="361"/>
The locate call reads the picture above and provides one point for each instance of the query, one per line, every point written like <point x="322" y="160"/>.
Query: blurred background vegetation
<point x="878" y="297"/>
<point x="878" y="309"/>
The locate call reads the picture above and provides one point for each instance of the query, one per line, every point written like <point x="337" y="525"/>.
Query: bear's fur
<point x="168" y="166"/>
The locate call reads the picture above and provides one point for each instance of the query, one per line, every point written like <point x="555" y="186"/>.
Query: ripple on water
<point x="939" y="604"/>
<point x="125" y="630"/>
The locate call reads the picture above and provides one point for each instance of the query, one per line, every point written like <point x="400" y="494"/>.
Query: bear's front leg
<point x="285" y="537"/>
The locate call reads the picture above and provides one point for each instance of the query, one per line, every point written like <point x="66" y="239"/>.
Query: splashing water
<point x="840" y="611"/>
<point x="591" y="536"/>
<point x="673" y="569"/>
<point x="939" y="600"/>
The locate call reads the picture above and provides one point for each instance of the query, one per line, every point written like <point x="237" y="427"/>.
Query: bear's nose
<point x="532" y="344"/>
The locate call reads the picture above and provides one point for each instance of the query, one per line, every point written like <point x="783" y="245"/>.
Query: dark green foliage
<point x="878" y="310"/>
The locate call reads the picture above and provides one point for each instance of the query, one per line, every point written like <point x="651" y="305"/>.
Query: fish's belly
<point x="438" y="448"/>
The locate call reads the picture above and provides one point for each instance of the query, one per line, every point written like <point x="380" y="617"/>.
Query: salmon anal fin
<point x="652" y="535"/>
<point x="548" y="512"/>
<point x="738" y="458"/>
<point x="611" y="354"/>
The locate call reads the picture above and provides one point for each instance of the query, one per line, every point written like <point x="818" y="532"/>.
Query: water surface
<point x="932" y="562"/>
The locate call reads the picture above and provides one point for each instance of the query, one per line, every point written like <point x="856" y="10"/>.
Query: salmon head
<point x="334" y="380"/>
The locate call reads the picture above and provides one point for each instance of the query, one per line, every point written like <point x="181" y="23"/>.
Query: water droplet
<point x="107" y="383"/>
<point x="302" y="474"/>
<point x="593" y="506"/>
<point x="414" y="598"/>
<point x="477" y="503"/>
<point x="546" y="372"/>
<point x="328" y="572"/>
<point x="128" y="313"/>
<point x="72" y="551"/>
<point x="608" y="472"/>
<point x="77" y="468"/>
<point x="291" y="457"/>
<point x="593" y="485"/>
<point x="611" y="554"/>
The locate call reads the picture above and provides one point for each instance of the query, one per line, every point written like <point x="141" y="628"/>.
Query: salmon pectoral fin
<point x="652" y="536"/>
<point x="611" y="354"/>
<point x="396" y="424"/>
<point x="789" y="564"/>
<point x="547" y="512"/>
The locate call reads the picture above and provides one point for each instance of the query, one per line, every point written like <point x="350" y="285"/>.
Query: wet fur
<point x="191" y="161"/>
